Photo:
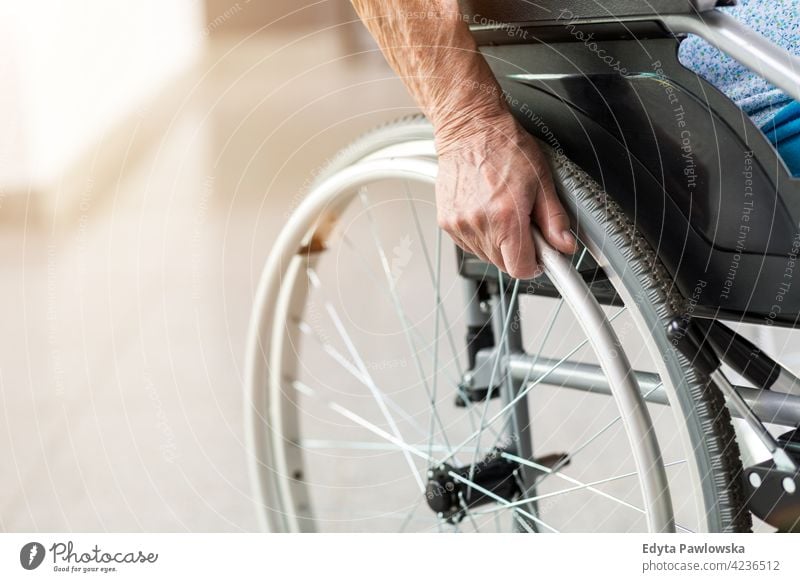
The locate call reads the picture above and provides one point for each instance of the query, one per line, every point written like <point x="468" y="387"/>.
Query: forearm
<point x="492" y="176"/>
<point x="430" y="47"/>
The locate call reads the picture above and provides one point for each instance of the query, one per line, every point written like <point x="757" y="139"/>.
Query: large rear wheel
<point x="369" y="411"/>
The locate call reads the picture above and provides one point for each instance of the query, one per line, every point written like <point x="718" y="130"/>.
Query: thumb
<point x="552" y="219"/>
<point x="519" y="255"/>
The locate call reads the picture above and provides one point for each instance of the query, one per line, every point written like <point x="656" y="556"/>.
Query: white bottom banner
<point x="241" y="557"/>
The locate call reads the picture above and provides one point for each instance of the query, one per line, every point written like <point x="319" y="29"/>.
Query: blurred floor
<point x="126" y="307"/>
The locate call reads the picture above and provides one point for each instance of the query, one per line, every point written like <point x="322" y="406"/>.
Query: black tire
<point x="651" y="288"/>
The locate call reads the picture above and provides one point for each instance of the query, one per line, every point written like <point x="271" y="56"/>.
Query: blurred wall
<point x="73" y="70"/>
<point x="237" y="16"/>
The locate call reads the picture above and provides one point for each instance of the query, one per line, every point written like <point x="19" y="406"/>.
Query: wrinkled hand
<point x="493" y="180"/>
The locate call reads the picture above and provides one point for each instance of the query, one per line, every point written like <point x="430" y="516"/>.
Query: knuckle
<point x="504" y="214"/>
<point x="476" y="217"/>
<point x="461" y="221"/>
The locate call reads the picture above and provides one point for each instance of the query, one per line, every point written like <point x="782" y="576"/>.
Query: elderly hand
<point x="493" y="179"/>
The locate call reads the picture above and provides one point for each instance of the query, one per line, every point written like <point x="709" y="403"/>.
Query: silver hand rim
<point x="271" y="464"/>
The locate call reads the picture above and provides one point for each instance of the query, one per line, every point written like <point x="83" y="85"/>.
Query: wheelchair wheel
<point x="394" y="384"/>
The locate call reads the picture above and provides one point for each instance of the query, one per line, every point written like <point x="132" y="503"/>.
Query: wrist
<point x="473" y="126"/>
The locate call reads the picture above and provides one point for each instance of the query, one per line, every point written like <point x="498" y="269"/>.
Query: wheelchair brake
<point x="771" y="486"/>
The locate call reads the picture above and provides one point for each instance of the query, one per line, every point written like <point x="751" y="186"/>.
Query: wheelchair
<point x="396" y="383"/>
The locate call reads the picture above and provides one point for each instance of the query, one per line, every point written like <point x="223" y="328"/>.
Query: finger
<point x="489" y="248"/>
<point x="553" y="220"/>
<point x="496" y="258"/>
<point x="461" y="242"/>
<point x="487" y="253"/>
<point x="519" y="256"/>
<point x="482" y="256"/>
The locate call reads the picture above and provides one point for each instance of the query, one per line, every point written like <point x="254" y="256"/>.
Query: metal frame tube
<point x="770" y="406"/>
<point x="721" y="30"/>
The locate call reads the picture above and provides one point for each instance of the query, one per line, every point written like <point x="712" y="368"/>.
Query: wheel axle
<point x="449" y="497"/>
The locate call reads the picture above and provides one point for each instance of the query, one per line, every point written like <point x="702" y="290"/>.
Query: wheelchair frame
<point x="668" y="136"/>
<point x="602" y="84"/>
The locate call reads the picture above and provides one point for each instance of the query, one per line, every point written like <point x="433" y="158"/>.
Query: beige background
<point x="128" y="268"/>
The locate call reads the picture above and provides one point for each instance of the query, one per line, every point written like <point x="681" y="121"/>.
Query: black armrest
<point x="519" y="11"/>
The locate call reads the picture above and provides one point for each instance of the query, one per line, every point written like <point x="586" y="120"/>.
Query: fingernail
<point x="567" y="237"/>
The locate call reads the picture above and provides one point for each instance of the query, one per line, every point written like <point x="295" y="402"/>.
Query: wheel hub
<point x="449" y="497"/>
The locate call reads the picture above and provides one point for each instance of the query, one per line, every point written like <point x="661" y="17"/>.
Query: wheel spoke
<point x="522" y="522"/>
<point x="523" y="489"/>
<point x="563" y="462"/>
<point x="373" y="388"/>
<point x="322" y="444"/>
<point x="437" y="303"/>
<point x="434" y="282"/>
<point x="549" y="330"/>
<point x="522" y="393"/>
<point x="356" y="373"/>
<point x="580" y="486"/>
<point x="410" y="516"/>
<point x="506" y="319"/>
<point x="369" y="445"/>
<point x="551" y="325"/>
<point x="376" y="279"/>
<point x="399" y="308"/>
<point x="504" y="502"/>
<point x="467" y="511"/>
<point x="363" y="422"/>
<point x="453" y="380"/>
